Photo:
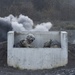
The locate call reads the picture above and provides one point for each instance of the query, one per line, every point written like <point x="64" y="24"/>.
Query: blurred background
<point x="40" y="10"/>
<point x="59" y="12"/>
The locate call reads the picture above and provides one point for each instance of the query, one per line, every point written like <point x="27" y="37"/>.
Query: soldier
<point x="48" y="43"/>
<point x="55" y="44"/>
<point x="52" y="44"/>
<point x="27" y="42"/>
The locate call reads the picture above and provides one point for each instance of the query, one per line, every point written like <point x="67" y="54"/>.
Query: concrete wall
<point x="37" y="58"/>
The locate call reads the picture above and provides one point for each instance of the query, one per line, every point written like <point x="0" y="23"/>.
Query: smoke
<point x="43" y="27"/>
<point x="17" y="27"/>
<point x="26" y="21"/>
<point x="5" y="26"/>
<point x="18" y="24"/>
<point x="10" y="18"/>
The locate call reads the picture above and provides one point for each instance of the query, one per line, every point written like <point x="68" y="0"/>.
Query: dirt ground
<point x="69" y="69"/>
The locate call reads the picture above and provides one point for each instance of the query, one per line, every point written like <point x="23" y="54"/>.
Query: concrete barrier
<point x="38" y="57"/>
